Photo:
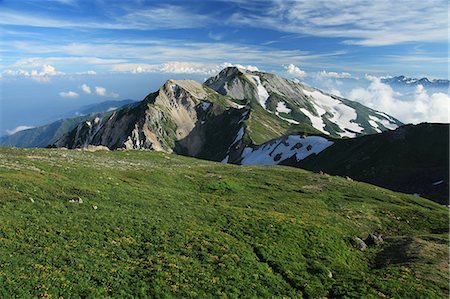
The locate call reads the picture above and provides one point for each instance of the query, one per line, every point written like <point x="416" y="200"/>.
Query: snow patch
<point x="342" y="115"/>
<point x="263" y="95"/>
<point x="288" y="119"/>
<point x="284" y="148"/>
<point x="373" y="122"/>
<point x="375" y="126"/>
<point x="386" y="116"/>
<point x="111" y="109"/>
<point x="386" y="123"/>
<point x="237" y="106"/>
<point x="438" y="182"/>
<point x="281" y="107"/>
<point x="316" y="121"/>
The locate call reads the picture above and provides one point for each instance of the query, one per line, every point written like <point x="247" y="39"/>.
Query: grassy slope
<point x="409" y="159"/>
<point x="168" y="226"/>
<point x="263" y="126"/>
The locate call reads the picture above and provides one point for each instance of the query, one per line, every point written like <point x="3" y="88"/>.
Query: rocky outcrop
<point x="182" y="116"/>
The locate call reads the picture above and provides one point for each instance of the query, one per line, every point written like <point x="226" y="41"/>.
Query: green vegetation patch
<point x="147" y="224"/>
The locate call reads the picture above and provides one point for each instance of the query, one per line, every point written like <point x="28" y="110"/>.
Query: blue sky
<point x="51" y="49"/>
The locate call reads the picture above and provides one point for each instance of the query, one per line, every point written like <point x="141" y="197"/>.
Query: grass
<point x="170" y="226"/>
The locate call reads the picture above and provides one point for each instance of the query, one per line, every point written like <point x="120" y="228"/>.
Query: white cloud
<point x="325" y="74"/>
<point x="250" y="68"/>
<point x="18" y="129"/>
<point x="101" y="91"/>
<point x="69" y="94"/>
<point x="178" y="67"/>
<point x="294" y="70"/>
<point x="86" y="89"/>
<point x="135" y="68"/>
<point x="38" y="76"/>
<point x="423" y="107"/>
<point x="336" y="92"/>
<point x="160" y="52"/>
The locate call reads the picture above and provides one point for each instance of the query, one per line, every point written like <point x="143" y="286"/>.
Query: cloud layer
<point x="18" y="129"/>
<point x="422" y="107"/>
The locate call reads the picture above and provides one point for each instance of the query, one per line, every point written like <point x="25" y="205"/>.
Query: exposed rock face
<point x="182" y="116"/>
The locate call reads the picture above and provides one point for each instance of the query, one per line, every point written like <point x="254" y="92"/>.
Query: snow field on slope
<point x="387" y="122"/>
<point x="263" y="95"/>
<point x="343" y="115"/>
<point x="281" y="107"/>
<point x="285" y="148"/>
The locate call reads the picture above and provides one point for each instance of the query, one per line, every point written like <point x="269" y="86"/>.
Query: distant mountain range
<point x="405" y="81"/>
<point x="252" y="117"/>
<point x="42" y="136"/>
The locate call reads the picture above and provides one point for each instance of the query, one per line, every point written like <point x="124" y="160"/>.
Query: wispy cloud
<point x="165" y="16"/>
<point x="160" y="17"/>
<point x="365" y="23"/>
<point x="325" y="74"/>
<point x="101" y="91"/>
<point x="104" y="55"/>
<point x="18" y="129"/>
<point x="69" y="94"/>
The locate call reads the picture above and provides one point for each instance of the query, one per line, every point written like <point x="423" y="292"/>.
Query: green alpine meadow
<point x="224" y="149"/>
<point x="146" y="224"/>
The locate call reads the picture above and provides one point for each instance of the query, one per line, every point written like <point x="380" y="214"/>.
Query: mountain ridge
<point x="407" y="81"/>
<point x="246" y="108"/>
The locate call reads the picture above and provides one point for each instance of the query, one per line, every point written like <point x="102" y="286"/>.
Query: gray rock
<point x="374" y="239"/>
<point x="76" y="200"/>
<point x="360" y="244"/>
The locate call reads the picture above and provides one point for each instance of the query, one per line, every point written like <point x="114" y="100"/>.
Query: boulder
<point x="360" y="244"/>
<point x="374" y="239"/>
<point x="76" y="200"/>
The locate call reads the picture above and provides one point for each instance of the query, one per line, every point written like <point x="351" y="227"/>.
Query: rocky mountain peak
<point x="298" y="104"/>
